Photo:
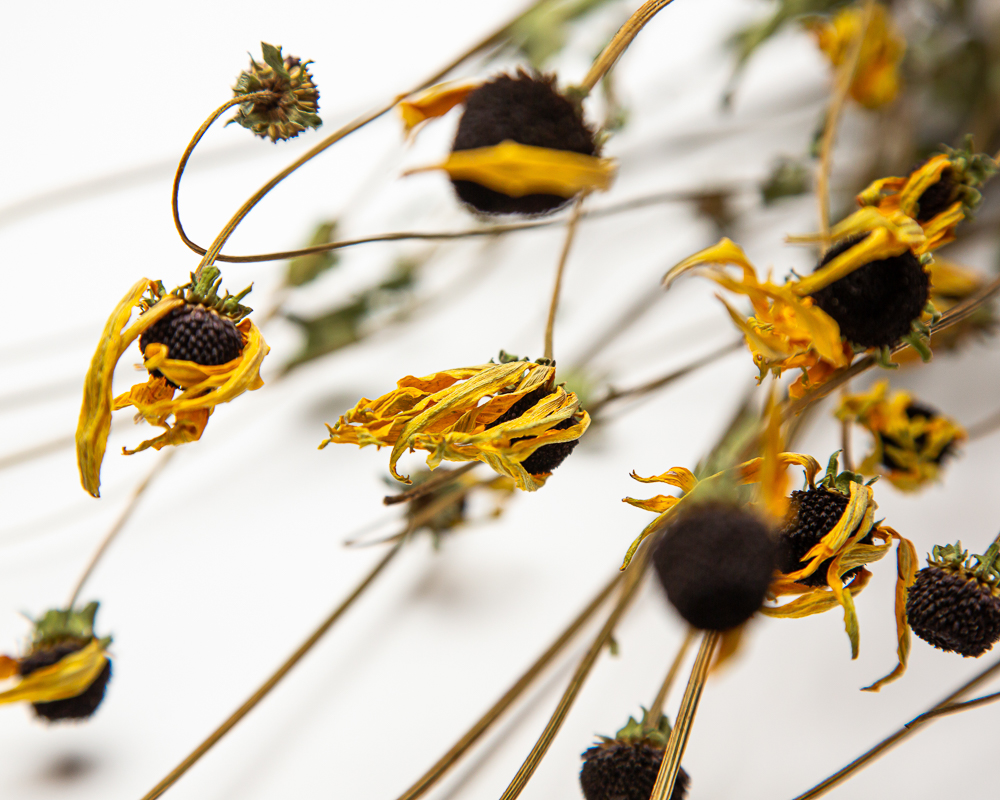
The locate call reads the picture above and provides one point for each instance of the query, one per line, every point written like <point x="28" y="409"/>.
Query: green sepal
<point x="645" y="732"/>
<point x="883" y="358"/>
<point x="59" y="624"/>
<point x="838" y="481"/>
<point x="273" y="58"/>
<point x="204" y="290"/>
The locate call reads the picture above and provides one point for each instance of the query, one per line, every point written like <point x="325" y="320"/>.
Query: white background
<point x="236" y="552"/>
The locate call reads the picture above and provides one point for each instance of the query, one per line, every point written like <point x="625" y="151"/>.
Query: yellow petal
<point x="95" y="413"/>
<point x="657" y="504"/>
<point x="725" y="252"/>
<point x="681" y="477"/>
<point x="518" y="169"/>
<point x="906" y="572"/>
<point x="188" y="427"/>
<point x="68" y="677"/>
<point x="434" y="102"/>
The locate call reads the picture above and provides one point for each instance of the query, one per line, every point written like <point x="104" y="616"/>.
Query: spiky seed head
<point x="293" y="102"/>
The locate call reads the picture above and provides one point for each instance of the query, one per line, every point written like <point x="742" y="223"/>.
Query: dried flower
<point x="192" y="340"/>
<point x="66" y="670"/>
<point x="938" y="194"/>
<point x="955" y="605"/>
<point x="294" y="99"/>
<point x="521" y="146"/>
<point x="625" y="768"/>
<point x="912" y="441"/>
<point x="509" y="415"/>
<point x="875" y="82"/>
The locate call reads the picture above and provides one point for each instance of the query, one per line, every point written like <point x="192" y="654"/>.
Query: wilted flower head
<point x="509" y="415"/>
<point x="912" y="441"/>
<point x="625" y="768"/>
<point x="954" y="604"/>
<point x="938" y="194"/>
<point x="876" y="78"/>
<point x="787" y="331"/>
<point x="66" y="670"/>
<point x="191" y="340"/>
<point x="521" y="146"/>
<point x="294" y="103"/>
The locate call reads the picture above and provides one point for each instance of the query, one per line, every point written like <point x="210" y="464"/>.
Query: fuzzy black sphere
<point x="814" y="515"/>
<point x="193" y="333"/>
<point x="528" y="110"/>
<point x="620" y="771"/>
<point x="84" y="704"/>
<point x="715" y="561"/>
<point x="952" y="613"/>
<point x="547" y="457"/>
<point x="876" y="304"/>
<point x="937" y="197"/>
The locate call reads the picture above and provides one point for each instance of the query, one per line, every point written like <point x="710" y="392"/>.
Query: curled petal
<point x="906" y="572"/>
<point x="723" y="253"/>
<point x="749" y="471"/>
<point x="657" y="504"/>
<point x="434" y="102"/>
<point x="518" y="169"/>
<point x="68" y="677"/>
<point x="681" y="477"/>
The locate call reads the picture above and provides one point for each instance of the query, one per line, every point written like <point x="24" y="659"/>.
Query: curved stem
<point x="429" y="485"/>
<point x="271" y="682"/>
<point x="655" y="710"/>
<point x="119" y="525"/>
<point x="845" y="76"/>
<point x="910" y="728"/>
<point x="449" y="759"/>
<point x="619" y="44"/>
<point x="571" y="226"/>
<point x="630" y="586"/>
<point x="175" y="191"/>
<point x="671" y="763"/>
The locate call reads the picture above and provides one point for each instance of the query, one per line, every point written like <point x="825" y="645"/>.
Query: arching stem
<point x="571" y="226"/>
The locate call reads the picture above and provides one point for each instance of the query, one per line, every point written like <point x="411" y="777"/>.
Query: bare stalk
<point x="629" y="588"/>
<point x="655" y="710"/>
<point x="271" y="682"/>
<point x="483" y="724"/>
<point x="571" y="225"/>
<point x="619" y="44"/>
<point x="431" y="484"/>
<point x="671" y="764"/>
<point x="123" y="518"/>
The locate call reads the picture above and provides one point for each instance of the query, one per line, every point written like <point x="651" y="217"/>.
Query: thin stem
<point x="119" y="524"/>
<point x="670" y="377"/>
<point x="39" y="450"/>
<point x="655" y="710"/>
<point x="174" y="202"/>
<point x="630" y="586"/>
<point x="619" y="44"/>
<point x="483" y="724"/>
<point x="429" y="485"/>
<point x="271" y="682"/>
<point x="908" y="729"/>
<point x="214" y="249"/>
<point x="571" y="225"/>
<point x="671" y="764"/>
<point x="845" y="77"/>
<point x="845" y="445"/>
<point x="954" y="708"/>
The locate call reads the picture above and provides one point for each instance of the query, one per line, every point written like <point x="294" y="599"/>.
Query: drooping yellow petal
<point x="95" y="413"/>
<point x="188" y="427"/>
<point x="726" y="251"/>
<point x="906" y="572"/>
<point x="749" y="471"/>
<point x="518" y="169"/>
<point x="681" y="477"/>
<point x="68" y="677"/>
<point x="657" y="504"/>
<point x="952" y="280"/>
<point x="813" y="600"/>
<point x="434" y="102"/>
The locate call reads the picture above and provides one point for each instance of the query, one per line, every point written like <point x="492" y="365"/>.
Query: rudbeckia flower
<point x="954" y="604"/>
<point x="521" y="146"/>
<point x="66" y="670"/>
<point x="510" y="416"/>
<point x="293" y="104"/>
<point x="827" y="535"/>
<point x="625" y="768"/>
<point x="192" y="341"/>
<point x="938" y="194"/>
<point x="787" y="330"/>
<point x="876" y="77"/>
<point x="912" y="441"/>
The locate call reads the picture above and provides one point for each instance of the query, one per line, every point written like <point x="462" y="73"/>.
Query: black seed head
<point x="812" y="515"/>
<point x="528" y="110"/>
<point x="84" y="704"/>
<point x="547" y="457"/>
<point x="937" y="197"/>
<point x="876" y="304"/>
<point x="953" y="611"/>
<point x="194" y="333"/>
<point x="715" y="561"/>
<point x="619" y="771"/>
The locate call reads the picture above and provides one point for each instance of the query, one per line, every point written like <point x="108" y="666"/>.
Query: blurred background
<point x="237" y="550"/>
